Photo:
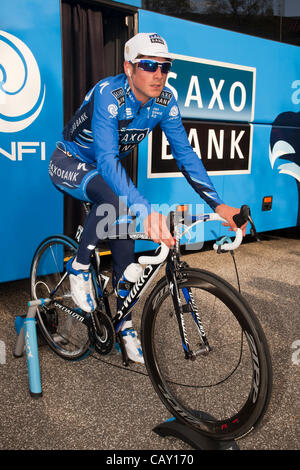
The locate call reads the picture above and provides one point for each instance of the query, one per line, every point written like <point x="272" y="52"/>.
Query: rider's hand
<point x="155" y="226"/>
<point x="227" y="212"/>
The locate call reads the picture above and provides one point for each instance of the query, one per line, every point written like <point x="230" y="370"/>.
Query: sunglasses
<point x="152" y="65"/>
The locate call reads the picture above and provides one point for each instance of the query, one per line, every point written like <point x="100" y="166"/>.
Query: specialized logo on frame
<point x="22" y="94"/>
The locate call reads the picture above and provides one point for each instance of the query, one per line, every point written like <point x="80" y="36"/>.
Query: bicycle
<point x="204" y="349"/>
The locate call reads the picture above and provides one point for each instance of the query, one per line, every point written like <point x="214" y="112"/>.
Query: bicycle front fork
<point x="189" y="307"/>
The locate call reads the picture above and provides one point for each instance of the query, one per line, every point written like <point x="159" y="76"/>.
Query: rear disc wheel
<point x="66" y="334"/>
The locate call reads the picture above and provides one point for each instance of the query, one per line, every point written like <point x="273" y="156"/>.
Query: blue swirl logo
<point x="21" y="92"/>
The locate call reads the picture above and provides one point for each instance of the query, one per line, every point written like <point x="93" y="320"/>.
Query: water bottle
<point x="131" y="274"/>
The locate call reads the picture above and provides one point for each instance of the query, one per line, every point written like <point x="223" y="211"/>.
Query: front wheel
<point x="224" y="392"/>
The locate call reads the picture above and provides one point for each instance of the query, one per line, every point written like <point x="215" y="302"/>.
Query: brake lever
<point x="243" y="217"/>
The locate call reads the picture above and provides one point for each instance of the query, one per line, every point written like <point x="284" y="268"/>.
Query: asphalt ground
<point x="97" y="404"/>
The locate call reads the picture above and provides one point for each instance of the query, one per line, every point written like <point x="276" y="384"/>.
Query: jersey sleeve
<point x="106" y="140"/>
<point x="187" y="160"/>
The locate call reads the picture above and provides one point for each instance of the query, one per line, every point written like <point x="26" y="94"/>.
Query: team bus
<point x="236" y="78"/>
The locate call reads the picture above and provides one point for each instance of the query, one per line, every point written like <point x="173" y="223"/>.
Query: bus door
<point x="93" y="39"/>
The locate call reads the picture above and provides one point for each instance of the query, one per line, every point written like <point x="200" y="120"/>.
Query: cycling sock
<point x="127" y="324"/>
<point x="79" y="266"/>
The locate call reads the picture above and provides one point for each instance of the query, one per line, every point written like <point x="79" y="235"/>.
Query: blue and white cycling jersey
<point x="111" y="122"/>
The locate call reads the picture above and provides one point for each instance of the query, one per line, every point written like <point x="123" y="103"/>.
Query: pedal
<point x="60" y="339"/>
<point x="202" y="351"/>
<point x="125" y="358"/>
<point x="187" y="308"/>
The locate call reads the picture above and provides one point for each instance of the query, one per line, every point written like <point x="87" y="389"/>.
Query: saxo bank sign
<point x="22" y="94"/>
<point x="216" y="102"/>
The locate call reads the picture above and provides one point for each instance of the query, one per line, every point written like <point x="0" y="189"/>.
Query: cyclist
<point x="114" y="117"/>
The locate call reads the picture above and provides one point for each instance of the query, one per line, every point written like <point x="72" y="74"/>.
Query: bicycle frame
<point x="135" y="294"/>
<point x="174" y="275"/>
<point x="173" y="270"/>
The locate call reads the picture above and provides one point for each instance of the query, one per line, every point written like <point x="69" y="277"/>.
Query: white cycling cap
<point x="151" y="44"/>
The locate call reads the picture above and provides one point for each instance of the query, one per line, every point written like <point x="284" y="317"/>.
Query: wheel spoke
<point x="67" y="336"/>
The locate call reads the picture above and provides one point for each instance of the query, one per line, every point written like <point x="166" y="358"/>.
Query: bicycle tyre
<point x="66" y="336"/>
<point x="187" y="387"/>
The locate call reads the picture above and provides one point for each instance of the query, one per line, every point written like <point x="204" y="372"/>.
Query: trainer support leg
<point x="27" y="337"/>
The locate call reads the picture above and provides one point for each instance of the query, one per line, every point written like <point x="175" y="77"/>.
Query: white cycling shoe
<point x="82" y="290"/>
<point x="132" y="343"/>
